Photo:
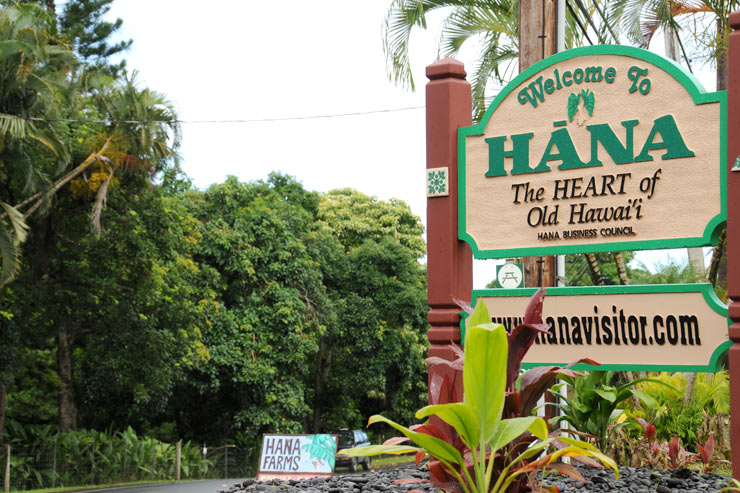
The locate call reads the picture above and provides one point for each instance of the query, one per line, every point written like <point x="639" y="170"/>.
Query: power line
<point x="254" y="120"/>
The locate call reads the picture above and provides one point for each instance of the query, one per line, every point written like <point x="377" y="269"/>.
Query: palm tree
<point x="140" y="133"/>
<point x="492" y="23"/>
<point x="641" y="19"/>
<point x="34" y="65"/>
<point x="495" y="22"/>
<point x="135" y="129"/>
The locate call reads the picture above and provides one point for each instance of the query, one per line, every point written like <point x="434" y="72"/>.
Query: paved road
<point x="208" y="486"/>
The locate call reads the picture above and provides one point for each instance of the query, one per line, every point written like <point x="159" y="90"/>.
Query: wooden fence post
<point x="6" y="482"/>
<point x="733" y="235"/>
<point x="449" y="260"/>
<point x="177" y="460"/>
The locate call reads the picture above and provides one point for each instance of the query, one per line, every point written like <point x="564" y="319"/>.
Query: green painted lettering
<point x="519" y="154"/>
<point x="578" y="75"/>
<point x="566" y="152"/>
<point x="610" y="74"/>
<point x="621" y="154"/>
<point x="557" y="79"/>
<point x="593" y="74"/>
<point x="536" y="93"/>
<point x="672" y="141"/>
<point x="567" y="75"/>
<point x="549" y="86"/>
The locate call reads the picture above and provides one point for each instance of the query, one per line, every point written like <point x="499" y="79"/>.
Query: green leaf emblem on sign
<point x="323" y="447"/>
<point x="588" y="101"/>
<point x="573" y="101"/>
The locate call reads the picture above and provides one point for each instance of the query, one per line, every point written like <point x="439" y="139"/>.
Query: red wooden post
<point x="449" y="260"/>
<point x="733" y="235"/>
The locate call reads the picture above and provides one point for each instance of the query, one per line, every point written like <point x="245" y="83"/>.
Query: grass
<point x="392" y="460"/>
<point x="91" y="487"/>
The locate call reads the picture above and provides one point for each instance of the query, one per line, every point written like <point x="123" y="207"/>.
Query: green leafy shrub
<point x="594" y="404"/>
<point x="40" y="457"/>
<point x="711" y="396"/>
<point x="481" y="451"/>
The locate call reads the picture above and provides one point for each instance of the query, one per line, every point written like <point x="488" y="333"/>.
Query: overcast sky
<point x="249" y="60"/>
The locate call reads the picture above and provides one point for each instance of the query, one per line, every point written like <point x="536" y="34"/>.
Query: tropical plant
<point x="484" y="459"/>
<point x="593" y="406"/>
<point x="491" y="25"/>
<point x="42" y="457"/>
<point x="705" y="21"/>
<point x="711" y="397"/>
<point x="34" y="64"/>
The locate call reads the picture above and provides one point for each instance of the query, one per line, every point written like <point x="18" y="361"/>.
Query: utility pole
<point x="695" y="254"/>
<point x="538" y="39"/>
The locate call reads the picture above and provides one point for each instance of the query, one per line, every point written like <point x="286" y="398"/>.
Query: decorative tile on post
<point x="438" y="182"/>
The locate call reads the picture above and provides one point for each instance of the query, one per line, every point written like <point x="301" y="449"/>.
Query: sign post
<point x="449" y="260"/>
<point x="733" y="233"/>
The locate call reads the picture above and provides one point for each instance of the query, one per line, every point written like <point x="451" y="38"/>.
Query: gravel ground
<point x="412" y="480"/>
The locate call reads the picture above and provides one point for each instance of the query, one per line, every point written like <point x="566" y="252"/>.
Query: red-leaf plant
<point x="650" y="431"/>
<point x="519" y="402"/>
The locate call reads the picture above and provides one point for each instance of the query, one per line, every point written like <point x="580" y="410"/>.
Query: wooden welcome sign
<point x="594" y="149"/>
<point x="600" y="149"/>
<point x="603" y="148"/>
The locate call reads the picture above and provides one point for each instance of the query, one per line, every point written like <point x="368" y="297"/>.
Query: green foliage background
<point x="141" y="303"/>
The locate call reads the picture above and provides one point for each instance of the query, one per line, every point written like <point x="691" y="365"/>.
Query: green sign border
<point x="687" y="80"/>
<point x="705" y="289"/>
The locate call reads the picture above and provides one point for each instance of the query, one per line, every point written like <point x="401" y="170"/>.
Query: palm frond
<point x="17" y="223"/>
<point x="465" y="23"/>
<point x="11" y="258"/>
<point x="402" y="17"/>
<point x="10" y="241"/>
<point x="487" y="69"/>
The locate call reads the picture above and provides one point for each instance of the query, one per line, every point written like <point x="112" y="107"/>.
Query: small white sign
<point x="297" y="456"/>
<point x="510" y="276"/>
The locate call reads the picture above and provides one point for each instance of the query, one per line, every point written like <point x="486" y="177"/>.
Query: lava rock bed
<point x="413" y="480"/>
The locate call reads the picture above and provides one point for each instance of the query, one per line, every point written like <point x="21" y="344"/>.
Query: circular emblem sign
<point x="510" y="276"/>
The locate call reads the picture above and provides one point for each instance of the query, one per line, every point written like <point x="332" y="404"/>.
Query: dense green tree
<point x="261" y="329"/>
<point x="36" y="81"/>
<point x="125" y="306"/>
<point x="371" y="355"/>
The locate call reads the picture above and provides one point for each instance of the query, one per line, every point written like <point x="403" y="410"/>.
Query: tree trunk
<point x="717" y="254"/>
<point x="722" y="73"/>
<point x="594" y="269"/>
<point x="321" y="378"/>
<point x="689" y="392"/>
<point x="67" y="409"/>
<point x="621" y="268"/>
<point x="670" y="39"/>
<point x="2" y="411"/>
